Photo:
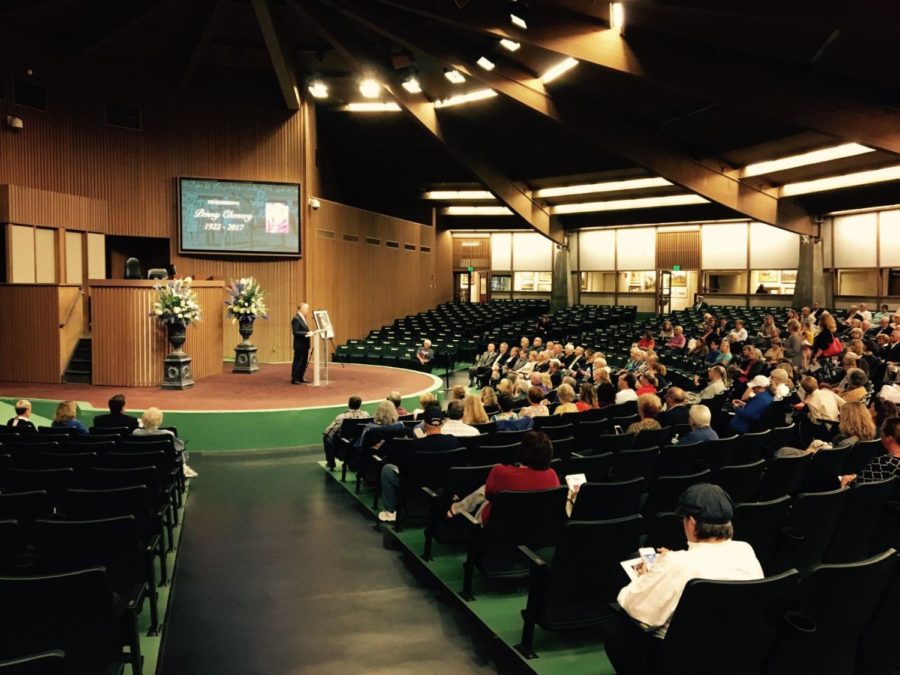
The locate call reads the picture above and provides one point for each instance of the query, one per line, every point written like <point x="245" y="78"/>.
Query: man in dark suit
<point x="483" y="364"/>
<point x="116" y="417"/>
<point x="300" y="328"/>
<point x="676" y="411"/>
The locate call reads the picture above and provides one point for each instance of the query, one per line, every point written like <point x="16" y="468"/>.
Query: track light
<point x="510" y="45"/>
<point x="318" y="89"/>
<point x="555" y="71"/>
<point x="485" y="63"/>
<point x="411" y="84"/>
<point x="477" y="95"/>
<point x="370" y="88"/>
<point x="883" y="175"/>
<point x="625" y="204"/>
<point x="462" y="195"/>
<point x="805" y="159"/>
<point x="518" y="21"/>
<point x="476" y="211"/>
<point x="371" y="106"/>
<point x="454" y="76"/>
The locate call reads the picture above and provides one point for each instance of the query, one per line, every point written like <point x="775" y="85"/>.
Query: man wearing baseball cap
<point x="433" y="441"/>
<point x="652" y="598"/>
<point x="752" y="410"/>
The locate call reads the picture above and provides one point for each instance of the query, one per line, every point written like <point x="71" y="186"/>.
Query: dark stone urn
<point x="245" y="360"/>
<point x="177" y="373"/>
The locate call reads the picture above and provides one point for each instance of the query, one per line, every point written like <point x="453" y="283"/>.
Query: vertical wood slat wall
<point x="678" y="248"/>
<point x="129" y="347"/>
<point x="30" y="334"/>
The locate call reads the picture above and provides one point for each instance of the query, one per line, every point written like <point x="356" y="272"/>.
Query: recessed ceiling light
<point x="511" y="45"/>
<point x="555" y="71"/>
<point x="370" y="88"/>
<point x="518" y="21"/>
<point x="477" y="95"/>
<point x="485" y="63"/>
<point x="454" y="76"/>
<point x="805" y="159"/>
<point x="888" y="173"/>
<point x="411" y="84"/>
<point x="371" y="106"/>
<point x="318" y="89"/>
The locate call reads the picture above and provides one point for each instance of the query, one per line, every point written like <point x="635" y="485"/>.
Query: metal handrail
<point x="72" y="307"/>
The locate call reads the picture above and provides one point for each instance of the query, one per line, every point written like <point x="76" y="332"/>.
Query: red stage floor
<point x="270" y="388"/>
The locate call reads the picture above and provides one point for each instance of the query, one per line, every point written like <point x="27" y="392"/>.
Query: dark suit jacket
<point x="675" y="416"/>
<point x="299" y="328"/>
<point x="891" y="352"/>
<point x="116" y="420"/>
<point x="487" y="359"/>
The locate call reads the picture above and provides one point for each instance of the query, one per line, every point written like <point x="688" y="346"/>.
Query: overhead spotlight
<point x="454" y="76"/>
<point x="511" y="45"/>
<point x="370" y="88"/>
<point x="411" y="84"/>
<point x="371" y="106"/>
<point x="518" y="21"/>
<point x="485" y="63"/>
<point x="617" y="16"/>
<point x="318" y="89"/>
<point x="477" y="95"/>
<point x="555" y="71"/>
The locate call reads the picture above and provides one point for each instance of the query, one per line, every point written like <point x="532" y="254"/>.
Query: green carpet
<point x="498" y="608"/>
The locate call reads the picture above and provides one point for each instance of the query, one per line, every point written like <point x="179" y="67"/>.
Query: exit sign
<point x="676" y="268"/>
<point x="470" y="269"/>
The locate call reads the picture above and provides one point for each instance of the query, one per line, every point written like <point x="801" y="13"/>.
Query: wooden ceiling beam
<point x="358" y="55"/>
<point x="202" y="29"/>
<point x="281" y="60"/>
<point x="608" y="131"/>
<point x="109" y="27"/>
<point x="738" y="84"/>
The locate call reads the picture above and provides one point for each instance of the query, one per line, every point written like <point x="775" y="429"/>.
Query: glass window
<point x="500" y="283"/>
<point x="533" y="281"/>
<point x="637" y="282"/>
<point x="598" y="282"/>
<point x="724" y="282"/>
<point x="857" y="282"/>
<point x="774" y="282"/>
<point x="892" y="281"/>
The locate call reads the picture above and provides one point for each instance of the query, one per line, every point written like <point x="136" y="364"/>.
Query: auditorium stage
<point x="241" y="412"/>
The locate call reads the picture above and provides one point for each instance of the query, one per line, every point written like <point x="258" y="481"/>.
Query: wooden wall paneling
<point x="442" y="254"/>
<point x="31" y="206"/>
<point x="678" y="248"/>
<point x="30" y="337"/>
<point x="71" y="326"/>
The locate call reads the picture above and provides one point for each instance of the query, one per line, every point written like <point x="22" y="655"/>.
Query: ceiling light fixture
<point x="370" y="88"/>
<point x="518" y="21"/>
<point x="510" y="45"/>
<point x="476" y="211"/>
<point x="318" y="89"/>
<point x="477" y="95"/>
<point x="448" y="195"/>
<point x="557" y="70"/>
<point x="411" y="84"/>
<point x="454" y="76"/>
<point x="371" y="106"/>
<point x="610" y="186"/>
<point x="485" y="63"/>
<point x="626" y="204"/>
<point x="888" y="173"/>
<point x="805" y="159"/>
<point x="617" y="16"/>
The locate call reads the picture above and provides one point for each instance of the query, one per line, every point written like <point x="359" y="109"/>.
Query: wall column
<point x="559" y="294"/>
<point x="810" y="273"/>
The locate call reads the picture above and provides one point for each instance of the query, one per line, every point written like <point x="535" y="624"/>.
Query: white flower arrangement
<point x="176" y="302"/>
<point x="245" y="300"/>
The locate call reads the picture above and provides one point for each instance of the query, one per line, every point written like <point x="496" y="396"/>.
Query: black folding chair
<point x="605" y="501"/>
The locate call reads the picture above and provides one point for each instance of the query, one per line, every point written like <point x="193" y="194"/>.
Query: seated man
<point x="434" y="440"/>
<point x="20" y="422"/>
<point x="626" y="390"/>
<point x="116" y="417"/>
<point x="482" y="365"/>
<point x="652" y="598"/>
<point x="676" y="411"/>
<point x="329" y="436"/>
<point x="453" y="425"/>
<point x="753" y="410"/>
<point x="701" y="431"/>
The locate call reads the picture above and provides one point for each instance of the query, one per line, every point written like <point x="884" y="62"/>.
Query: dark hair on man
<point x="354" y="402"/>
<point x="535" y="395"/>
<point x="714" y="530"/>
<point x="629" y="380"/>
<point x="455" y="409"/>
<point x="537" y="450"/>
<point x="117" y="403"/>
<point x="857" y="378"/>
<point x="505" y="402"/>
<point x="883" y="409"/>
<point x="891" y="427"/>
<point x="21" y="410"/>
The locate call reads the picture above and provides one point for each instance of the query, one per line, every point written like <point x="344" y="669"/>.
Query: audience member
<point x="489" y="399"/>
<point x="746" y="414"/>
<point x="647" y="343"/>
<point x="482" y="365"/>
<point x="716" y="386"/>
<point x="151" y="421"/>
<point x="646" y="384"/>
<point x="822" y="406"/>
<point x="394" y="397"/>
<point x="648" y="407"/>
<point x="676" y="411"/>
<point x="385" y="419"/>
<point x="566" y="397"/>
<point x="65" y="418"/>
<point x="626" y="390"/>
<point x="21" y="422"/>
<point x="425" y="356"/>
<point x="699" y="419"/>
<point x="425" y="400"/>
<point x="473" y="410"/>
<point x="536" y="407"/>
<point x="666" y="332"/>
<point x="116" y="417"/>
<point x="329" y="436"/>
<point x="507" y="419"/>
<point x="453" y="424"/>
<point x="855" y="425"/>
<point x="587" y="397"/>
<point x="886" y="465"/>
<point x="677" y="341"/>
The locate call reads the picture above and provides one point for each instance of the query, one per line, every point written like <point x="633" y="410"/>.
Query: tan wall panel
<point x="20" y="249"/>
<point x="442" y="252"/>
<point x="74" y="249"/>
<point x="45" y="256"/>
<point x="30" y="338"/>
<point x="128" y="345"/>
<point x="96" y="256"/>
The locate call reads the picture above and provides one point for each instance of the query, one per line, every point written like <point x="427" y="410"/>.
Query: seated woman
<point x="646" y="342"/>
<point x="768" y="330"/>
<point x="20" y="423"/>
<point x="566" y="397"/>
<point x="648" y="406"/>
<point x="474" y="412"/>
<point x="425" y="400"/>
<point x="535" y="407"/>
<point x="489" y="399"/>
<point x="666" y="331"/>
<point x="883" y="466"/>
<point x="646" y="384"/>
<point x="152" y="420"/>
<point x="587" y="397"/>
<point x="385" y="418"/>
<point x="716" y="386"/>
<point x="65" y="418"/>
<point x="508" y="419"/>
<point x="856" y="424"/>
<point x="677" y="341"/>
<point x="724" y="357"/>
<point x="775" y="352"/>
<point x="533" y="474"/>
<point x="606" y="390"/>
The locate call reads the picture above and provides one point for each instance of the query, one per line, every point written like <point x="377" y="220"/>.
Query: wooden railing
<point x="75" y="300"/>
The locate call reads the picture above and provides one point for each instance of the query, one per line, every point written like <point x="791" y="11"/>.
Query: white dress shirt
<point x="457" y="428"/>
<point x="653" y="597"/>
<point x="625" y="395"/>
<point x="738" y="335"/>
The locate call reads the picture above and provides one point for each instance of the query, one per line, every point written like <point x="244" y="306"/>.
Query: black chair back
<point x="109" y="431"/>
<point x="678" y="460"/>
<point x="861" y="454"/>
<point x="879" y="648"/>
<point x="614" y="443"/>
<point x="499" y="454"/>
<point x="840" y="617"/>
<point x="427" y="469"/>
<point x="486" y="428"/>
<point x="783" y="476"/>
<point x="665" y="491"/>
<point x="25" y="507"/>
<point x="781" y="436"/>
<point x="54" y="481"/>
<point x="95" y="444"/>
<point x="853" y="538"/>
<point x="648" y="438"/>
<point x="759" y="524"/>
<point x="809" y="528"/>
<point x="594" y="467"/>
<point x="508" y="437"/>
<point x="741" y="481"/>
<point x="459" y="482"/>
<point x="824" y="469"/>
<point x="587" y="434"/>
<point x="718" y="453"/>
<point x="563" y="448"/>
<point x="99" y="504"/>
<point x="750" y="447"/>
<point x="698" y="642"/>
<point x="12" y="540"/>
<point x="634" y="464"/>
<point x="667" y="530"/>
<point x="57" y="460"/>
<point x="605" y="501"/>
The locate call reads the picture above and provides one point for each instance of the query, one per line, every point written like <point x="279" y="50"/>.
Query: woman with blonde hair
<point x="152" y="420"/>
<point x="474" y="412"/>
<point x="64" y="418"/>
<point x="504" y="386"/>
<point x="824" y="343"/>
<point x="856" y="424"/>
<point x="458" y="393"/>
<point x="425" y="400"/>
<point x="566" y="397"/>
<point x="489" y="397"/>
<point x="648" y="407"/>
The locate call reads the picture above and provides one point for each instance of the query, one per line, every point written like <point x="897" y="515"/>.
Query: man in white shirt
<point x="626" y="389"/>
<point x="864" y="312"/>
<point x="453" y="424"/>
<point x="652" y="598"/>
<point x="738" y="333"/>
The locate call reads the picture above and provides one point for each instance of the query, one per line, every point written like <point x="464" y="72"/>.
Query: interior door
<point x="664" y="291"/>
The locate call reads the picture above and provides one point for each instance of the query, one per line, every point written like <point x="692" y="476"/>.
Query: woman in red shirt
<point x="648" y="384"/>
<point x="587" y="398"/>
<point x="647" y="343"/>
<point x="533" y="474"/>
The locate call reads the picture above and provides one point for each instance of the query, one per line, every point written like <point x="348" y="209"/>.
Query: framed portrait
<point x="789" y="276"/>
<point x="323" y="322"/>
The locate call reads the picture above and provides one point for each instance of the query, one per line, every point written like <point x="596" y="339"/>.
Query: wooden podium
<point x="129" y="347"/>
